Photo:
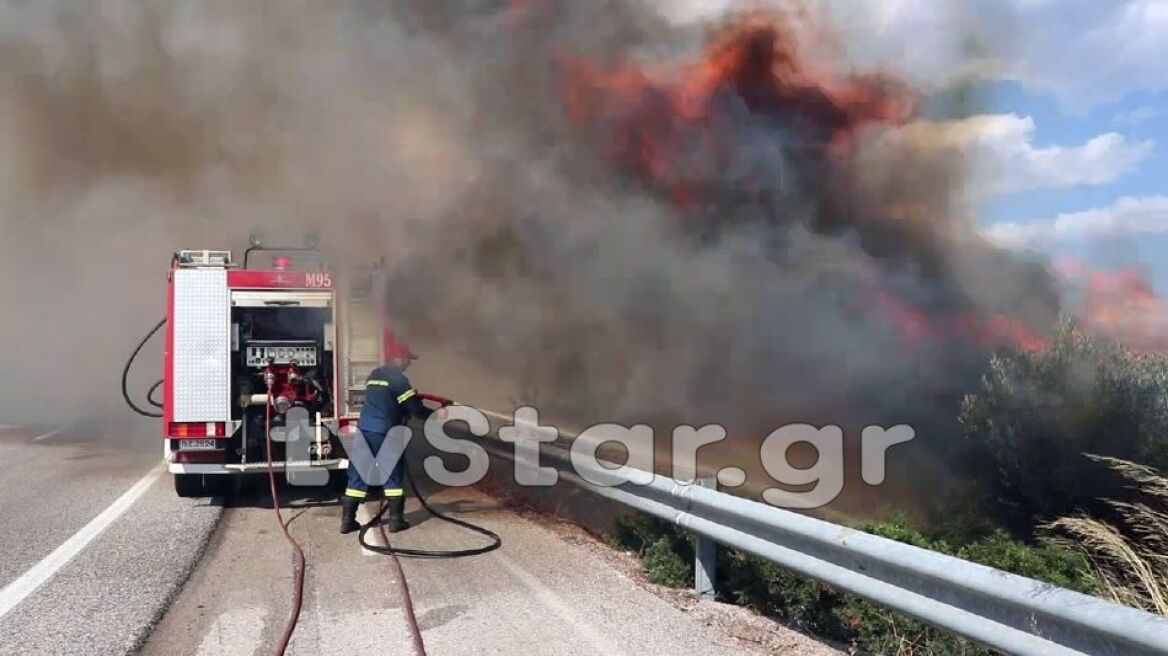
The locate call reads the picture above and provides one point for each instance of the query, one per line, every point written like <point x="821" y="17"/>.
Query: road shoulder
<point x="549" y="590"/>
<point x="108" y="598"/>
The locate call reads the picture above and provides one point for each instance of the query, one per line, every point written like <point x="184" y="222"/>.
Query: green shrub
<point x="666" y="567"/>
<point x="1049" y="563"/>
<point x="823" y="611"/>
<point x="666" y="553"/>
<point x="1036" y="414"/>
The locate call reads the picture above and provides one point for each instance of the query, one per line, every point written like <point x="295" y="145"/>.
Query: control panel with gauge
<point x="259" y="354"/>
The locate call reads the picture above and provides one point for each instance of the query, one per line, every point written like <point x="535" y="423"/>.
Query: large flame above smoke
<point x="681" y="129"/>
<point x="675" y="127"/>
<point x="743" y="232"/>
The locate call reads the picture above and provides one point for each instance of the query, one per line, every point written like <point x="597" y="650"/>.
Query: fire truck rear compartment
<point x="282" y="354"/>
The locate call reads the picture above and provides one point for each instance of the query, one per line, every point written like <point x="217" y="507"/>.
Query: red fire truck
<point x="276" y="345"/>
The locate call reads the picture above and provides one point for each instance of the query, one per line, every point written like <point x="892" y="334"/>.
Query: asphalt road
<point x="95" y="543"/>
<point x="102" y="558"/>
<point x="544" y="592"/>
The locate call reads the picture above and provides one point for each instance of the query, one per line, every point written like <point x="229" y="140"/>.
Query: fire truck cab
<point x="264" y="360"/>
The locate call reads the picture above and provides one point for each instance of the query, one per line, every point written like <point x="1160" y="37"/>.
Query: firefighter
<point x="390" y="401"/>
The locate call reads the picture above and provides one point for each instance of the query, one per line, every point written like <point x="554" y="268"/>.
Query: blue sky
<point x="1140" y="117"/>
<point x="1070" y="151"/>
<point x="1069" y="145"/>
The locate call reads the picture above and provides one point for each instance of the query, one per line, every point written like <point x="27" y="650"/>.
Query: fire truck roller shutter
<point x="202" y="346"/>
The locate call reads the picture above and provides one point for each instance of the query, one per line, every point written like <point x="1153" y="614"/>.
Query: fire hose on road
<point x="300" y="562"/>
<point x="495" y="540"/>
<point x="396" y="553"/>
<point x="388" y="549"/>
<point x="298" y="582"/>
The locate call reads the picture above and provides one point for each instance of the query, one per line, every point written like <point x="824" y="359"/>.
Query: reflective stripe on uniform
<point x="392" y="492"/>
<point x="356" y="494"/>
<point x="406" y="396"/>
<point x="377" y="383"/>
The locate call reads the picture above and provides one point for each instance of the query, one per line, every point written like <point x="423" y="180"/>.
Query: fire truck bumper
<point x="256" y="467"/>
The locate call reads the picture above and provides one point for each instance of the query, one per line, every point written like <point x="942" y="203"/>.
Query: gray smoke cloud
<point x="132" y="129"/>
<point x="436" y="135"/>
<point x="600" y="298"/>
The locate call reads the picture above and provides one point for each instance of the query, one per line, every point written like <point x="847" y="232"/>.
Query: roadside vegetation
<point x="1065" y="451"/>
<point x="1127" y="550"/>
<point x="1036" y="416"/>
<point x="823" y="611"/>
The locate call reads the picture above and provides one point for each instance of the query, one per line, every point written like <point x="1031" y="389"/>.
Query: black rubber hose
<point x="126" y="375"/>
<point x="496" y="541"/>
<point x="150" y="394"/>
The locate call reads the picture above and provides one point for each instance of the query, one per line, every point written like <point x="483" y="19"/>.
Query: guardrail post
<point x="705" y="555"/>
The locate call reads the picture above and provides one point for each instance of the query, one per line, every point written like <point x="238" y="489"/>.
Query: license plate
<point x="185" y="445"/>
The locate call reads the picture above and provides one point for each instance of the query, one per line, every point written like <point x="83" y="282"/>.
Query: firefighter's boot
<point x="396" y="522"/>
<point x="349" y="507"/>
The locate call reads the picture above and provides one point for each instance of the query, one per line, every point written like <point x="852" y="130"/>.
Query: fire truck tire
<point x="189" y="486"/>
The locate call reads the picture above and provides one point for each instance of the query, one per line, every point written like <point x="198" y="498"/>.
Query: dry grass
<point x="1129" y="556"/>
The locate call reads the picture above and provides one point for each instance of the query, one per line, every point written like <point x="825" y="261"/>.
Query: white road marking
<point x="46" y="436"/>
<point x="35" y="577"/>
<point x="600" y="644"/>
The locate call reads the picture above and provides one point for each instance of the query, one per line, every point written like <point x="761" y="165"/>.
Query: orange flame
<point x="665" y="123"/>
<point x="917" y="327"/>
<point x="1119" y="304"/>
<point x="674" y="128"/>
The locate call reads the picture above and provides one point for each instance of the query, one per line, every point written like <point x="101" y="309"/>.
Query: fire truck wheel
<point x="189" y="485"/>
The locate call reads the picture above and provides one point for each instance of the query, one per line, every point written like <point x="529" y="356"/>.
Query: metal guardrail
<point x="1007" y="612"/>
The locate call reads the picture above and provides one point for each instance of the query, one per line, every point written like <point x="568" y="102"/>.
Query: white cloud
<point x="1004" y="158"/>
<point x="1092" y="52"/>
<point x="1007" y="159"/>
<point x="1085" y="52"/>
<point x="1147" y="215"/>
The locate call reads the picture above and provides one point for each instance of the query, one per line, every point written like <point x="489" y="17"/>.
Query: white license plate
<point x="184" y="445"/>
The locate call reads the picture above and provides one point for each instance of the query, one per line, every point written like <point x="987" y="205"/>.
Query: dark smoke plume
<point x="740" y="233"/>
<point x="591" y="206"/>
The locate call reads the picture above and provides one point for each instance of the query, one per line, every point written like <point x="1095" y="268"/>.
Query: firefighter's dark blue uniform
<point x="390" y="401"/>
